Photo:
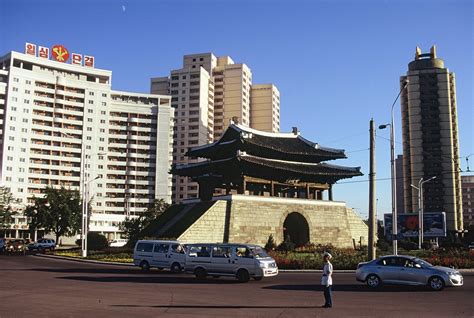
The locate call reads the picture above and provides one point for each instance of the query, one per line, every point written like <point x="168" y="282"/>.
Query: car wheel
<point x="176" y="268"/>
<point x="200" y="273"/>
<point x="243" y="276"/>
<point x="373" y="281"/>
<point x="145" y="266"/>
<point x="258" y="278"/>
<point x="436" y="283"/>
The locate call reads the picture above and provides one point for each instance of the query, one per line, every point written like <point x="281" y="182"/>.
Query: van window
<point x="243" y="252"/>
<point x="161" y="248"/>
<point x="177" y="248"/>
<point x="145" y="247"/>
<point x="199" y="251"/>
<point x="221" y="251"/>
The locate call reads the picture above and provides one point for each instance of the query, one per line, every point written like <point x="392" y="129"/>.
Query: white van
<point x="242" y="261"/>
<point x="159" y="254"/>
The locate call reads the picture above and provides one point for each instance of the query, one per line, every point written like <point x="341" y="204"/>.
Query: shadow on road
<point x="150" y="279"/>
<point x="134" y="271"/>
<point x="349" y="288"/>
<point x="217" y="307"/>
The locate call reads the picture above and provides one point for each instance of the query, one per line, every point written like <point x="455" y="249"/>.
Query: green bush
<point x="287" y="245"/>
<point x="95" y="242"/>
<point x="271" y="245"/>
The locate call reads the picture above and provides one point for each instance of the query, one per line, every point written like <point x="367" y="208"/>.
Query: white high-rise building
<point x="59" y="120"/>
<point x="207" y="93"/>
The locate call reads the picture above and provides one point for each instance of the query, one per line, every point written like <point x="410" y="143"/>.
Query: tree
<point x="6" y="210"/>
<point x="59" y="211"/>
<point x="132" y="226"/>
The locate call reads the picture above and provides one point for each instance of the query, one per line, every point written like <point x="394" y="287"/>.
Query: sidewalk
<point x="462" y="271"/>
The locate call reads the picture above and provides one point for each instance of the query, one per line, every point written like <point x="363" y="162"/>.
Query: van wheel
<point x="243" y="276"/>
<point x="436" y="283"/>
<point x="145" y="266"/>
<point x="258" y="278"/>
<point x="176" y="268"/>
<point x="200" y="273"/>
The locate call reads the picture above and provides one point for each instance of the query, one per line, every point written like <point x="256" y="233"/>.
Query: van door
<point x="244" y="259"/>
<point x="176" y="254"/>
<point x="160" y="255"/>
<point x="222" y="261"/>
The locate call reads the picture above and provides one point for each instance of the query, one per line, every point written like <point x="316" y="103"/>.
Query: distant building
<point x="430" y="138"/>
<point x="62" y="121"/>
<point x="207" y="93"/>
<point x="467" y="184"/>
<point x="399" y="184"/>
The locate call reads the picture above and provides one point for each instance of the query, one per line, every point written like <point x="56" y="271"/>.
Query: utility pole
<point x="372" y="196"/>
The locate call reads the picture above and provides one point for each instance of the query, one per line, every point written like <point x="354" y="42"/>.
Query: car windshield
<point x="422" y="262"/>
<point x="259" y="252"/>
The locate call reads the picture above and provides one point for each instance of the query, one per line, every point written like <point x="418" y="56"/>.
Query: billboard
<point x="434" y="224"/>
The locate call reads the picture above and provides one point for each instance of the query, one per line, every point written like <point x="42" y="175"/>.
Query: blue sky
<point x="336" y="63"/>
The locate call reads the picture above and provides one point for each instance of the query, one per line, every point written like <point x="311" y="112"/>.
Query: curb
<point x="90" y="261"/>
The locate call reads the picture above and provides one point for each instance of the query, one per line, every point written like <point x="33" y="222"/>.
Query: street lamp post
<point x="420" y="209"/>
<point x="393" y="171"/>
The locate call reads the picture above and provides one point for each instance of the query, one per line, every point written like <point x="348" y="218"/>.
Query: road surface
<point x="32" y="286"/>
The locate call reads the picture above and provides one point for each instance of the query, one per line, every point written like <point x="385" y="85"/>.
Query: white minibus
<point x="242" y="261"/>
<point x="159" y="254"/>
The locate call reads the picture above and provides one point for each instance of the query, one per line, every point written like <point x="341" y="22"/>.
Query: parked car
<point x="118" y="243"/>
<point x="2" y="245"/>
<point x="16" y="246"/>
<point x="42" y="245"/>
<point x="471" y="246"/>
<point x="159" y="254"/>
<point x="242" y="261"/>
<point x="406" y="270"/>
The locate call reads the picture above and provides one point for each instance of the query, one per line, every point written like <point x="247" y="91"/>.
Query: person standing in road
<point x="326" y="280"/>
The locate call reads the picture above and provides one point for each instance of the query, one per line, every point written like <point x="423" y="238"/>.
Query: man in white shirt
<point x="326" y="280"/>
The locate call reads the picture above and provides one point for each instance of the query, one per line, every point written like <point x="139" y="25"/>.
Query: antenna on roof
<point x="295" y="130"/>
<point x="234" y="120"/>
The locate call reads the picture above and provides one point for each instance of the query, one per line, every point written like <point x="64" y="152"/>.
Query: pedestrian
<point x="326" y="280"/>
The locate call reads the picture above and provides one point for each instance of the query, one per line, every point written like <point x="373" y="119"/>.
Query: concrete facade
<point x="61" y="121"/>
<point x="265" y="111"/>
<point x="248" y="219"/>
<point x="430" y="138"/>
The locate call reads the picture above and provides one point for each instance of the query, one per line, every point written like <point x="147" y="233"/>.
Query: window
<point x="199" y="251"/>
<point x="145" y="247"/>
<point x="27" y="91"/>
<point x="161" y="248"/>
<point x="104" y="95"/>
<point x="392" y="261"/>
<point x="104" y="104"/>
<point x="91" y="93"/>
<point x="91" y="102"/>
<point x="243" y="252"/>
<point x="222" y="252"/>
<point x="90" y="111"/>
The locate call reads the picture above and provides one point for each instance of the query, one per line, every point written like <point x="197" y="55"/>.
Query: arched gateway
<point x="297" y="228"/>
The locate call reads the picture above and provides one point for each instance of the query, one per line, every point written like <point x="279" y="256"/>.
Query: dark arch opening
<point x="297" y="228"/>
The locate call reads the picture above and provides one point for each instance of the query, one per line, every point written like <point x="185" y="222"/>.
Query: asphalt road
<point x="32" y="286"/>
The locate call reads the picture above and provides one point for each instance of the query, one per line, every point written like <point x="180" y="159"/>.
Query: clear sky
<point x="336" y="63"/>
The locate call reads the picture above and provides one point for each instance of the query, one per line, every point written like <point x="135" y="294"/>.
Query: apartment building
<point x="430" y="138"/>
<point x="207" y="93"/>
<point x="61" y="120"/>
<point x="265" y="110"/>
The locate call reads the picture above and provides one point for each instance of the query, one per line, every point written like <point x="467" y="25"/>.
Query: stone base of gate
<point x="252" y="219"/>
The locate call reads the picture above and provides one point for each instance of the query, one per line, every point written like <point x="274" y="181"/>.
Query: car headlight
<point x="263" y="265"/>
<point x="453" y="273"/>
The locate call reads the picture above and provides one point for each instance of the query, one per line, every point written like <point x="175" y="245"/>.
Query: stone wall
<point x="252" y="219"/>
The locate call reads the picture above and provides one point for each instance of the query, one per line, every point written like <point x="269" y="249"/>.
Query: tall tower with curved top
<point x="430" y="138"/>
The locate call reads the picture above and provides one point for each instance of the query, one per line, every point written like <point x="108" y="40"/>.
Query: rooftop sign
<point x="59" y="54"/>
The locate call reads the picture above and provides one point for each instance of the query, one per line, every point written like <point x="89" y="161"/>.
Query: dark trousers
<point x="328" y="296"/>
